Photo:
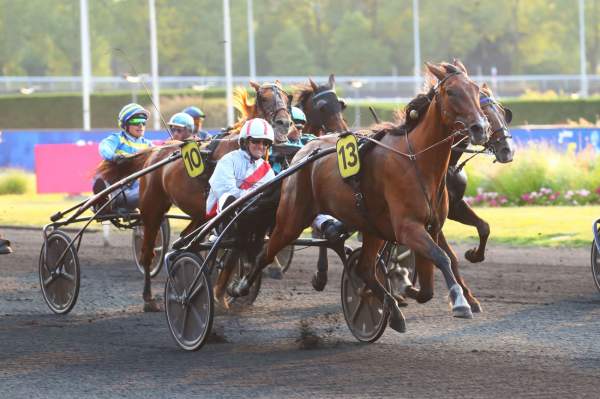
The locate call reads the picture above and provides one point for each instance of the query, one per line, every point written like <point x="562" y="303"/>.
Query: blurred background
<point x="68" y="66"/>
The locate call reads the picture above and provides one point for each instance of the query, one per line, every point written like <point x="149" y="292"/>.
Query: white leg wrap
<point x="460" y="301"/>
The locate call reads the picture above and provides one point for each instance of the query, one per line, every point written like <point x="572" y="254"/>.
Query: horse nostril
<point x="476" y="129"/>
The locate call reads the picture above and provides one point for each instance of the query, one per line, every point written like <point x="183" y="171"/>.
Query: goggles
<point x="137" y="122"/>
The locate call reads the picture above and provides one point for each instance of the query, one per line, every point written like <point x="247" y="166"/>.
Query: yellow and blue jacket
<point x="121" y="143"/>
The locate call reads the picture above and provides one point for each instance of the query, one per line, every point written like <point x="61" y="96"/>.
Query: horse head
<point x="457" y="99"/>
<point x="272" y="104"/>
<point x="499" y="117"/>
<point x="324" y="110"/>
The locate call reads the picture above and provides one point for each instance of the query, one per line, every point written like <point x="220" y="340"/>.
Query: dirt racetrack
<point x="539" y="335"/>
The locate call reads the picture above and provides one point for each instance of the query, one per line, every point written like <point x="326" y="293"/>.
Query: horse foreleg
<point x="473" y="302"/>
<point x="418" y="239"/>
<point x="461" y="212"/>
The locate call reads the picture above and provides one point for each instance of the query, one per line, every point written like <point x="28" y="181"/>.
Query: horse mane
<point x="302" y="93"/>
<point x="420" y="104"/>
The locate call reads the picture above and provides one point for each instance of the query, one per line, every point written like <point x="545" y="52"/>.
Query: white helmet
<point x="257" y="128"/>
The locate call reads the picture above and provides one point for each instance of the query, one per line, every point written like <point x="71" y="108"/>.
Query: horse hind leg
<point x="283" y="234"/>
<point x="152" y="214"/>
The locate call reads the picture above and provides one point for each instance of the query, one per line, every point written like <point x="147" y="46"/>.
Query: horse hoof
<point x="400" y="300"/>
<point x="398" y="323"/>
<point x="319" y="281"/>
<point x="462" y="312"/>
<point x="472" y="256"/>
<point x="475" y="307"/>
<point x="236" y="290"/>
<point x="152" y="306"/>
<point x="275" y="273"/>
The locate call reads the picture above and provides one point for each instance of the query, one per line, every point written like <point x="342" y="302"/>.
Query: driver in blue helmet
<point x="198" y="115"/>
<point x="181" y="126"/>
<point x="129" y="140"/>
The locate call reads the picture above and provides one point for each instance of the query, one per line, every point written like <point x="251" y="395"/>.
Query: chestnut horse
<point x="322" y="107"/>
<point x="171" y="185"/>
<point x="401" y="180"/>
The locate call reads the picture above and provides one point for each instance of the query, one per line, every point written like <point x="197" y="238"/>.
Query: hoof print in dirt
<point x="308" y="339"/>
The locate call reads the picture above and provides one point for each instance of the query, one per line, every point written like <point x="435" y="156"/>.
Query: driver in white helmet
<point x="242" y="170"/>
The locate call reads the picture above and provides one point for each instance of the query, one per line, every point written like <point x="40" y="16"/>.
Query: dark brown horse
<point x="322" y="107"/>
<point x="401" y="179"/>
<point x="171" y="185"/>
<point x="501" y="146"/>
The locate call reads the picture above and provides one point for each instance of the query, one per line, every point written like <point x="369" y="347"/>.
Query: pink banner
<point x="65" y="168"/>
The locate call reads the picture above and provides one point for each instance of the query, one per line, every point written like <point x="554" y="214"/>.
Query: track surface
<point x="539" y="335"/>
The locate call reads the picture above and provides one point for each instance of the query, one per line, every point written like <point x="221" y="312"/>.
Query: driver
<point x="198" y="115"/>
<point x="181" y="126"/>
<point x="130" y="140"/>
<point x="241" y="170"/>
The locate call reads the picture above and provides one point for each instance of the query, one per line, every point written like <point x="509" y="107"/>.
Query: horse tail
<point x="113" y="171"/>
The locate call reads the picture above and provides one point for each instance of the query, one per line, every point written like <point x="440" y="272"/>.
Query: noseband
<point x="488" y="101"/>
<point x="279" y="103"/>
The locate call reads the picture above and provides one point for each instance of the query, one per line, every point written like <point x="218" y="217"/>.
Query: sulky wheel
<point x="59" y="272"/>
<point x="365" y="315"/>
<point x="284" y="257"/>
<point x="595" y="260"/>
<point x="161" y="244"/>
<point x="189" y="308"/>
<point x="240" y="267"/>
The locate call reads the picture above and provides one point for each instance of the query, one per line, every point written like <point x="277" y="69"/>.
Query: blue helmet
<point x="298" y="116"/>
<point x="182" y="119"/>
<point x="128" y="111"/>
<point x="194" y="112"/>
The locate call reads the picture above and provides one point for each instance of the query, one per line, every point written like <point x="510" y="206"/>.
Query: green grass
<point x="532" y="226"/>
<point x="519" y="226"/>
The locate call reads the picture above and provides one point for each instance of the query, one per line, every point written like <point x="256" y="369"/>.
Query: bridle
<point x="280" y="105"/>
<point x="489" y="101"/>
<point x="332" y="106"/>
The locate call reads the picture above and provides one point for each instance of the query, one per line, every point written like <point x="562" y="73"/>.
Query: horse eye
<point x="451" y="93"/>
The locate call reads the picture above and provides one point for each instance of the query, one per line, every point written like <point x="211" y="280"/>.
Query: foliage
<point x="539" y="175"/>
<point x="13" y="182"/>
<point x="341" y="36"/>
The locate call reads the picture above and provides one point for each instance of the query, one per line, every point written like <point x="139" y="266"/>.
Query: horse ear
<point x="332" y="81"/>
<point x="460" y="65"/>
<point x="290" y="97"/>
<point x="437" y="71"/>
<point x="484" y="86"/>
<point x="508" y="115"/>
<point x="255" y="85"/>
<point x="313" y="84"/>
<point x="278" y="83"/>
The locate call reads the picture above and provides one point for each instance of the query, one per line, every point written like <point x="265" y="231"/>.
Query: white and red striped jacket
<point x="236" y="174"/>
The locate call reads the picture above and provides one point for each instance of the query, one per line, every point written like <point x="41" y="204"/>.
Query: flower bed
<point x="539" y="175"/>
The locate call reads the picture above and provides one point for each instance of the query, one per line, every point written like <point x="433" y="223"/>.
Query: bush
<point x="539" y="175"/>
<point x="13" y="182"/>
